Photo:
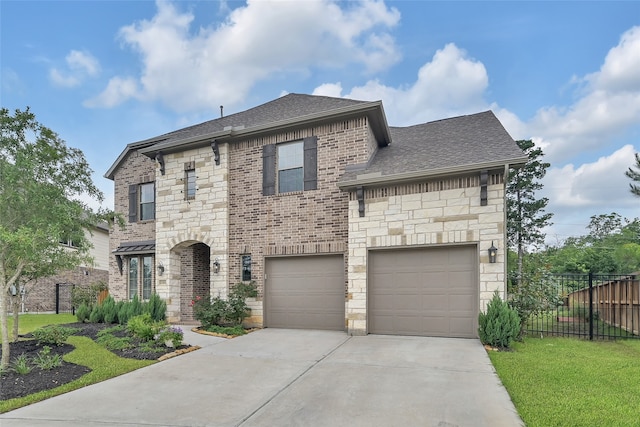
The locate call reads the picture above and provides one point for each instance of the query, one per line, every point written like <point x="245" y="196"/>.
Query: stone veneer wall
<point x="181" y="223"/>
<point x="135" y="169"/>
<point x="305" y="222"/>
<point x="439" y="212"/>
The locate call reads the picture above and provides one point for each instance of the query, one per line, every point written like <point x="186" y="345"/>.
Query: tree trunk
<point x="15" y="303"/>
<point x="4" y="323"/>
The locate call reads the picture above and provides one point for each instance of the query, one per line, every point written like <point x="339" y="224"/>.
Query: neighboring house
<point x="41" y="295"/>
<point x="343" y="222"/>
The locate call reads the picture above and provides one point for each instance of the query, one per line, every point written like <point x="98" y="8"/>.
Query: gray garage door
<point x="425" y="291"/>
<point x="305" y="292"/>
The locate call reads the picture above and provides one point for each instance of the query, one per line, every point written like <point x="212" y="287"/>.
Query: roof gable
<point x="454" y="145"/>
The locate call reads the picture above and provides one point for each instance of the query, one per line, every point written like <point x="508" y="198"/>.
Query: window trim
<point x="270" y="166"/>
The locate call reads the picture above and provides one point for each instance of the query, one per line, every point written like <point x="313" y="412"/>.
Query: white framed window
<point x="147" y="201"/>
<point x="290" y="167"/>
<point x="141" y="277"/>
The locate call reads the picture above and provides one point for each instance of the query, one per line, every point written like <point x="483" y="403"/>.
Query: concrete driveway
<point x="280" y="377"/>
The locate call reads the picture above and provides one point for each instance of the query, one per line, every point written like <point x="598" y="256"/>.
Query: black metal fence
<point x="64" y="302"/>
<point x="589" y="306"/>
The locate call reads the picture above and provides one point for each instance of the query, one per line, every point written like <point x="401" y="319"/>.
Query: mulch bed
<point x="14" y="385"/>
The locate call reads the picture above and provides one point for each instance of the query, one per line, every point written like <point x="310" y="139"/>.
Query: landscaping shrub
<point x="500" y="325"/>
<point x="21" y="365"/>
<point x="83" y="312"/>
<point x="53" y="334"/>
<point x="97" y="314"/>
<point x="156" y="307"/>
<point x="87" y="295"/>
<point x="171" y="334"/>
<point x="109" y="310"/>
<point x="108" y="340"/>
<point x="144" y="327"/>
<point x="220" y="312"/>
<point x="45" y="360"/>
<point x="123" y="312"/>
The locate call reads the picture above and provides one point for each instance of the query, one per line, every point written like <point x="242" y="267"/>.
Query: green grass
<point x="102" y="362"/>
<point x="30" y="322"/>
<point x="570" y="382"/>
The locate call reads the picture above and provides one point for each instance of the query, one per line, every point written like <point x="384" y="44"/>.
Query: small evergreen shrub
<point x="500" y="325"/>
<point x="123" y="312"/>
<point x="83" y="312"/>
<point x="156" y="307"/>
<point x="110" y="315"/>
<point x="53" y="334"/>
<point x="97" y="314"/>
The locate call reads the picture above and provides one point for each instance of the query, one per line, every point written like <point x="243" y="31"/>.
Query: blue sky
<point x="103" y="74"/>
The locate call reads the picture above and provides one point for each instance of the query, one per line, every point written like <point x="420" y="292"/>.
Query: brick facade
<point x="41" y="296"/>
<point x="135" y="169"/>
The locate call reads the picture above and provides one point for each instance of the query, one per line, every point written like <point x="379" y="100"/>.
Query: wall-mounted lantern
<point x="160" y="269"/>
<point x="493" y="252"/>
<point x="216" y="265"/>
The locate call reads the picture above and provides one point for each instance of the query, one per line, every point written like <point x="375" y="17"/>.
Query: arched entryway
<point x="194" y="276"/>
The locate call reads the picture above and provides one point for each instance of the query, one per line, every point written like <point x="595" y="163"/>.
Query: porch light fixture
<point x="160" y="269"/>
<point x="493" y="252"/>
<point x="216" y="265"/>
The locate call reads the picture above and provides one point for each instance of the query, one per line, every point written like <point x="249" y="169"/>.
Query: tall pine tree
<point x="526" y="216"/>
<point x="635" y="176"/>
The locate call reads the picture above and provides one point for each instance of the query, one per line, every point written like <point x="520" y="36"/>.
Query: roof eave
<point x="377" y="178"/>
<point x="373" y="110"/>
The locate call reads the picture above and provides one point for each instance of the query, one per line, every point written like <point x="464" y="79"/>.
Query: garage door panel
<point x="305" y="292"/>
<point x="440" y="300"/>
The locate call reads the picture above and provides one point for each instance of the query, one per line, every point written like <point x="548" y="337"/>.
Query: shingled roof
<point x="286" y="112"/>
<point x="454" y="145"/>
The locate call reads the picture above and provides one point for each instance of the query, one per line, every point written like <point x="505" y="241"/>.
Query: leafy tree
<point x="41" y="183"/>
<point x="526" y="216"/>
<point x="634" y="174"/>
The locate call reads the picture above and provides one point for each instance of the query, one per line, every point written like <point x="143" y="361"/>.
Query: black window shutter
<point x="133" y="203"/>
<point x="269" y="170"/>
<point x="311" y="163"/>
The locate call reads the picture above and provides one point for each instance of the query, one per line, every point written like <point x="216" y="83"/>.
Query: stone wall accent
<point x="135" y="169"/>
<point x="438" y="212"/>
<point x="182" y="222"/>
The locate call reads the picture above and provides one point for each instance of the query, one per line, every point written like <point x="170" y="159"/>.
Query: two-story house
<point x="342" y="221"/>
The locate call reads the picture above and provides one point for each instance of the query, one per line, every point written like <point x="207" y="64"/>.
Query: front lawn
<point x="102" y="363"/>
<point x="571" y="382"/>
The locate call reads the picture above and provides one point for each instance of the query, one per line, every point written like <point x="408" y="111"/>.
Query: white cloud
<point x="450" y="84"/>
<point x="214" y="65"/>
<point x="609" y="105"/>
<point x="79" y="66"/>
<point x="117" y="91"/>
<point x="577" y="192"/>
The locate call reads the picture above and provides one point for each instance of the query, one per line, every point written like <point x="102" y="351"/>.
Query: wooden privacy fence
<point x="614" y="301"/>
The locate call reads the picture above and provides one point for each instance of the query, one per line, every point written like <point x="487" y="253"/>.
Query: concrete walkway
<point x="279" y="377"/>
